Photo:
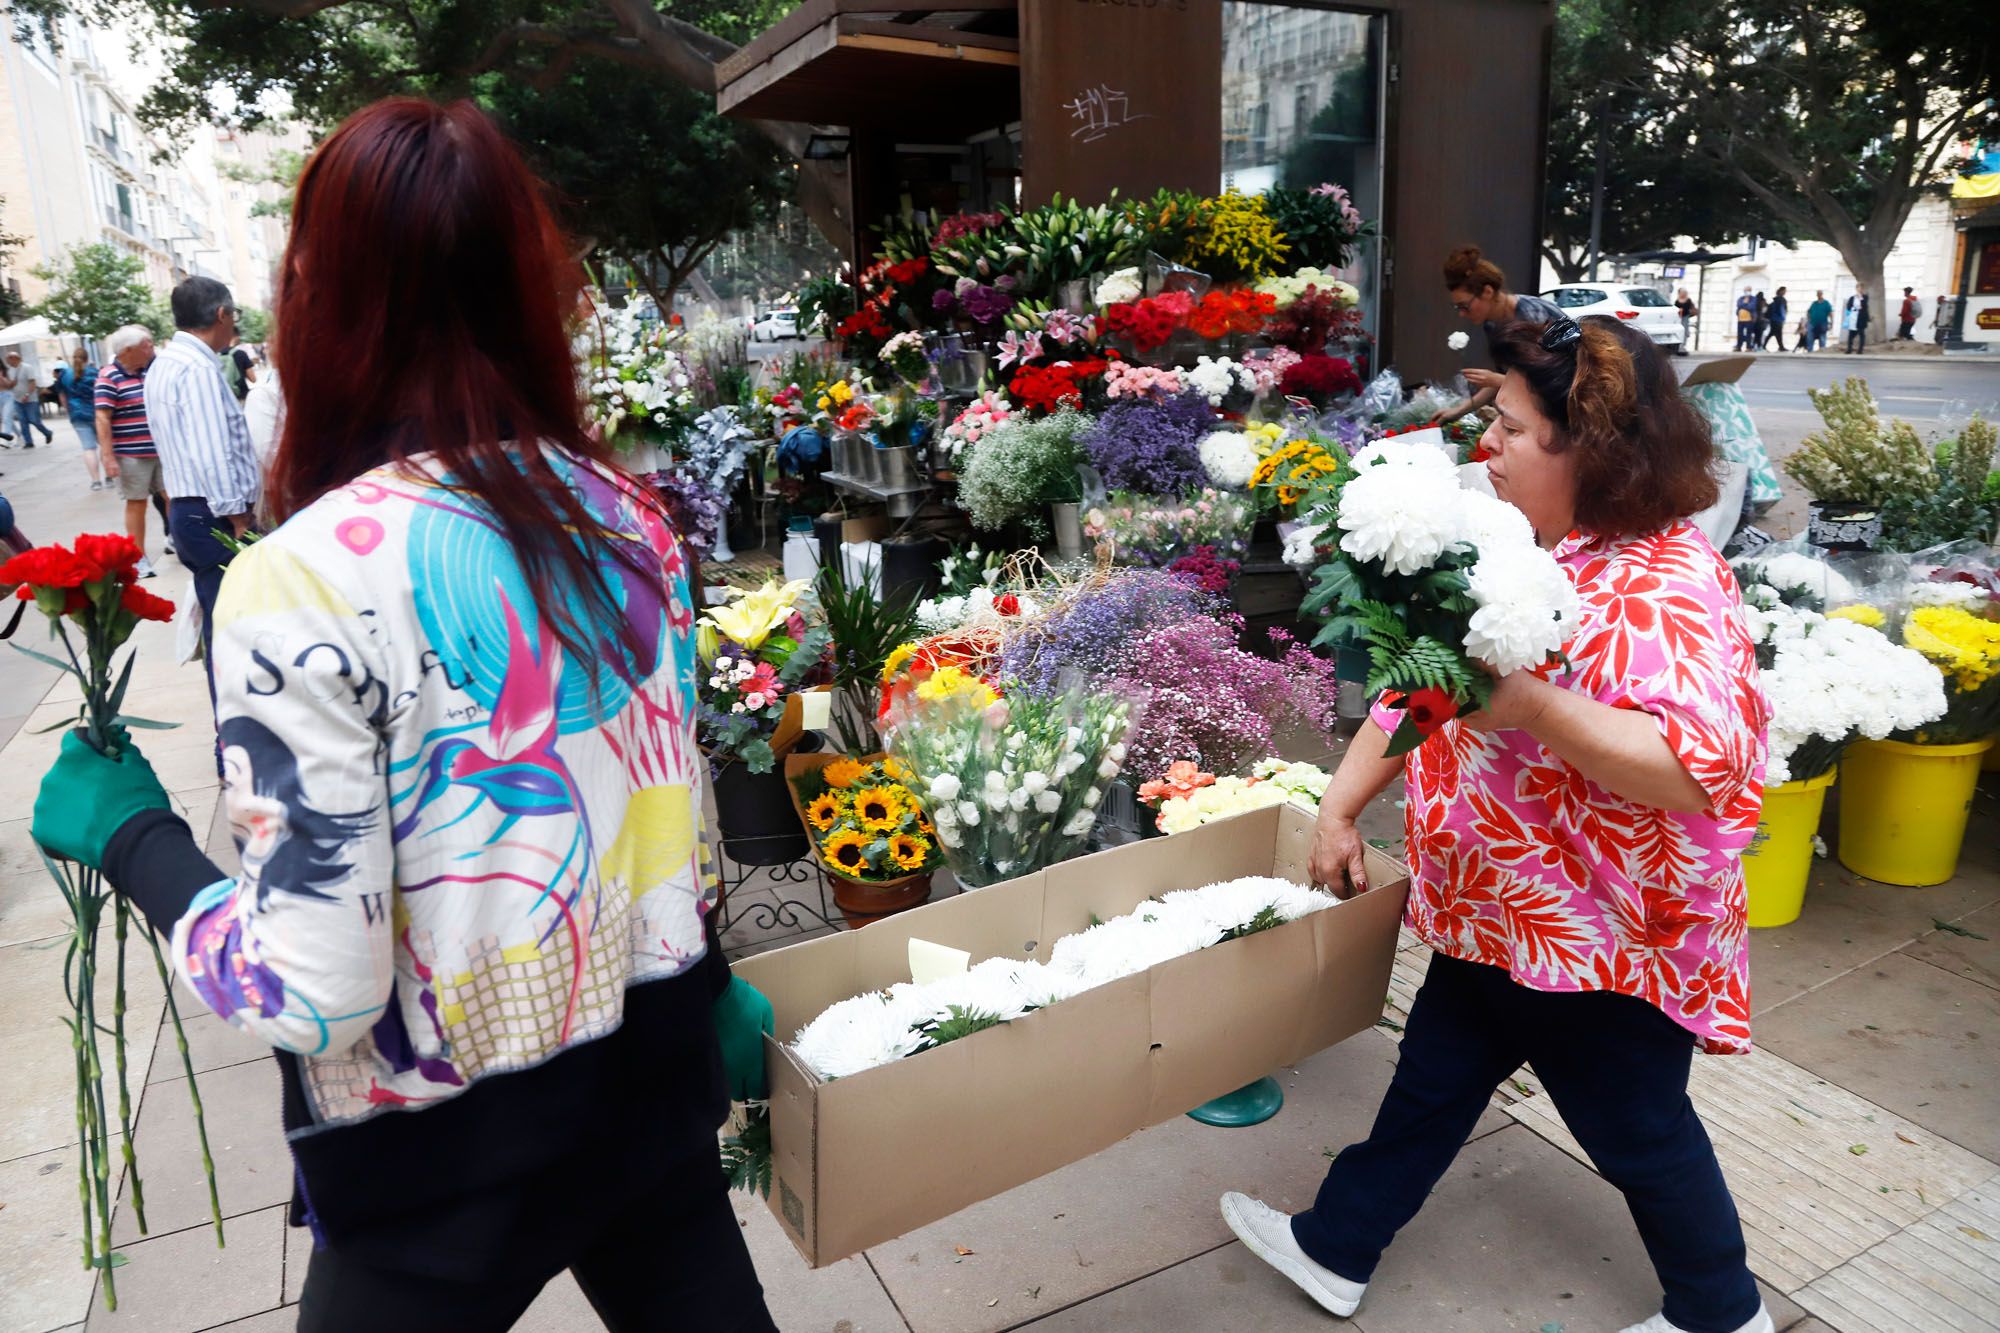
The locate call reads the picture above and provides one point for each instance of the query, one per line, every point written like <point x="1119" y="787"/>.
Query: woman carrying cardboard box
<point x="1573" y="849"/>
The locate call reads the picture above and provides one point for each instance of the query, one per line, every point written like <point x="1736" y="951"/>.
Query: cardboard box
<point x="862" y="1160"/>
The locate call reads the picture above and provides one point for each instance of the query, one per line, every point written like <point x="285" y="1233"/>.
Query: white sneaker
<point x="146" y="569"/>
<point x="1659" y="1324"/>
<point x="1267" y="1233"/>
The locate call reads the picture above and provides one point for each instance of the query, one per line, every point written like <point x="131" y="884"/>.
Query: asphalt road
<point x="1919" y="390"/>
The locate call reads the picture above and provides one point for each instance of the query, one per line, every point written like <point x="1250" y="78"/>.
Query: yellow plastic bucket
<point x="1778" y="861"/>
<point x="1903" y="809"/>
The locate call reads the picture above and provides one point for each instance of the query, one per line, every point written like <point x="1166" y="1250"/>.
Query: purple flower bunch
<point x="697" y="510"/>
<point x="1206" y="698"/>
<point x="982" y="303"/>
<point x="1152" y="445"/>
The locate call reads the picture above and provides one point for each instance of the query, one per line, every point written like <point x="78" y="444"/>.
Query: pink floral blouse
<point x="1518" y="861"/>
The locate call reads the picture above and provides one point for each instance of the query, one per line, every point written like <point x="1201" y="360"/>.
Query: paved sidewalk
<point x="1861" y="1140"/>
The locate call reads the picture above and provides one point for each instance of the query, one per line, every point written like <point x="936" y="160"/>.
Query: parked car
<point x="775" y="326"/>
<point x="1653" y="313"/>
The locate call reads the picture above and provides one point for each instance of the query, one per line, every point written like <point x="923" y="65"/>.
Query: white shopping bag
<point x="187" y="627"/>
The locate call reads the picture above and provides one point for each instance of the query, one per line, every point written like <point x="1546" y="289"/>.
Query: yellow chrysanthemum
<point x="879" y="808"/>
<point x="1963" y="646"/>
<point x="899" y="655"/>
<point x="896" y="770"/>
<point x="949" y="682"/>
<point x="844" y="772"/>
<point x="845" y="850"/>
<point x="909" y="853"/>
<point x="824" y="810"/>
<point x="1860" y="613"/>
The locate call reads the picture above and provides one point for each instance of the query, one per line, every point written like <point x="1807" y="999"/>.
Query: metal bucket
<point x="896" y="469"/>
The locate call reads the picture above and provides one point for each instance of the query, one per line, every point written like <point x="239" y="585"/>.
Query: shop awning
<point x="33" y="329"/>
<point x="924" y="73"/>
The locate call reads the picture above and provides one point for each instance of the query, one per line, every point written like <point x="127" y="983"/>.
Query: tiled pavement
<point x="1877" y="1027"/>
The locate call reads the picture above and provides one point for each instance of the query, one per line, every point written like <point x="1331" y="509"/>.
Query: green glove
<point x="742" y="1018"/>
<point x="86" y="797"/>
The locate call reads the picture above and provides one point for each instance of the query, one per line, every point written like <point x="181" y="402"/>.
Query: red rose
<point x="109" y="552"/>
<point x="1007" y="604"/>
<point x="1431" y="709"/>
<point x="144" y="605"/>
<point x="48" y="567"/>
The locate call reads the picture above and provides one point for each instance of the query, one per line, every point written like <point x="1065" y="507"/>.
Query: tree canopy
<point x="1834" y="116"/>
<point x="93" y="289"/>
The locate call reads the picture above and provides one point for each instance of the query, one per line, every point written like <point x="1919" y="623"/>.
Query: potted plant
<point x="1854" y="467"/>
<point x="1831" y="682"/>
<point x="1904" y="801"/>
<point x="877" y="845"/>
<point x="758" y="654"/>
<point x="865" y="631"/>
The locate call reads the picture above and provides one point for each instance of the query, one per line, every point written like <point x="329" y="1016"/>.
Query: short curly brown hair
<point x="1644" y="456"/>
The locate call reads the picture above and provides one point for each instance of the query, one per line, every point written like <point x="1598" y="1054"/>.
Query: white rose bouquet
<point x="1011" y="784"/>
<point x="1445" y="588"/>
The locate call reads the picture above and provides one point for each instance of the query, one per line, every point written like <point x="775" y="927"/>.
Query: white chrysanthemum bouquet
<point x="1445" y="588"/>
<point x="883" y="1026"/>
<point x="1831" y="682"/>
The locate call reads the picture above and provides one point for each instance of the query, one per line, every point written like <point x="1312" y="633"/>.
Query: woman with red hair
<point x="455" y="691"/>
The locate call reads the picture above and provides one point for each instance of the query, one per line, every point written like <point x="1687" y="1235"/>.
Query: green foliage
<point x="1954" y="507"/>
<point x="1267" y="918"/>
<point x="823" y="303"/>
<point x="93" y="289"/>
<point x="747" y="1157"/>
<point x="960" y="1022"/>
<point x="253" y="324"/>
<point x="648" y="169"/>
<point x="865" y="631"/>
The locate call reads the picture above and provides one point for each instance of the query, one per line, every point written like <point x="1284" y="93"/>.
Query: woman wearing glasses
<point x="1479" y="293"/>
<point x="1573" y="849"/>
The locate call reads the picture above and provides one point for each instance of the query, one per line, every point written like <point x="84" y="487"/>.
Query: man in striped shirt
<point x="206" y="457"/>
<point x="124" y="443"/>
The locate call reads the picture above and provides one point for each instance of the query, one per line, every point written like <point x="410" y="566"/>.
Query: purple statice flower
<point x="697" y="511"/>
<point x="1091" y="634"/>
<point x="1152" y="445"/>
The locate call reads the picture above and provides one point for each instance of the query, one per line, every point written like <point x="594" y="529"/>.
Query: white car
<point x="775" y="326"/>
<point x="1653" y="313"/>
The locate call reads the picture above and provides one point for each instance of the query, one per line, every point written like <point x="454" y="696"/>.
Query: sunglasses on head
<point x="1562" y="331"/>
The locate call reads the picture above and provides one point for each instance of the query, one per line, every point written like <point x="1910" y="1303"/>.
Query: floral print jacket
<point x="460" y="844"/>
<point x="1518" y="861"/>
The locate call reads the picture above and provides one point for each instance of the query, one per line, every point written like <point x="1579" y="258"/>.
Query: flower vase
<point x="721" y="553"/>
<point x="1067" y="520"/>
<point x="1838" y="526"/>
<point x="1904" y="807"/>
<point x="1779" y="859"/>
<point x="755" y="817"/>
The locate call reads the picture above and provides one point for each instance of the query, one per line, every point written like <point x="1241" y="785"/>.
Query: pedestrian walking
<point x="1746" y="320"/>
<point x="76" y="384"/>
<point x="125" y="441"/>
<point x="1775" y="314"/>
<point x="1857" y="327"/>
<point x="1940" y="323"/>
<point x="1685" y="305"/>
<point x="206" y="459"/>
<point x="18" y="379"/>
<point x="1478" y="291"/>
<point x="1658" y="719"/>
<point x="474" y="914"/>
<point x="1907" y="315"/>
<point x="1819" y="315"/>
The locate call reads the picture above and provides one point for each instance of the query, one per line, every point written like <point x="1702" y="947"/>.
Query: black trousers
<point x="1857" y="340"/>
<point x="675" y="1259"/>
<point x="1617" y="1070"/>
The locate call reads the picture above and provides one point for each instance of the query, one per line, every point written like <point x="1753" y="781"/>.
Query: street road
<point x="1920" y="390"/>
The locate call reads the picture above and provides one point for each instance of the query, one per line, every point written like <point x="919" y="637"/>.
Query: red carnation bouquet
<point x="93" y="585"/>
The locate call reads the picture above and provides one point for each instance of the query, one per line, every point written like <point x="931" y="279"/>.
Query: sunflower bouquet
<point x="1293" y="472"/>
<point x="865" y="822"/>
